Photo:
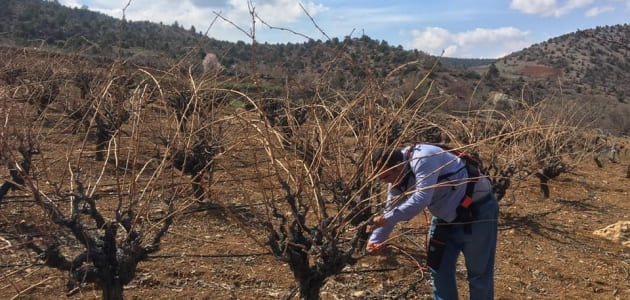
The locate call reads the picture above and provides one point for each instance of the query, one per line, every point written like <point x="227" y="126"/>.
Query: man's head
<point x="389" y="164"/>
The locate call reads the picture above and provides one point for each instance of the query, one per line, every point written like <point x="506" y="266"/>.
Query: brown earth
<point x="546" y="250"/>
<point x="539" y="71"/>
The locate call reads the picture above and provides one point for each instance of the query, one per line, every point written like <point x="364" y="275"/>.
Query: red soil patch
<point x="539" y="71"/>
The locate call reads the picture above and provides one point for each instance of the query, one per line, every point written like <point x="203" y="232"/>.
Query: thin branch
<point x="33" y="286"/>
<point x="314" y="23"/>
<point x="120" y="32"/>
<point x="284" y="29"/>
<point x="7" y="242"/>
<point x="218" y="14"/>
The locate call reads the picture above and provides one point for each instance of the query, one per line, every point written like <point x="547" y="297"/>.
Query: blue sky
<point x="465" y="28"/>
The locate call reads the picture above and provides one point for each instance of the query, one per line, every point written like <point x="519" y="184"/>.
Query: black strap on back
<point x="473" y="167"/>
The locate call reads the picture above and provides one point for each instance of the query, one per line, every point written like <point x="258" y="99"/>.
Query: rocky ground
<point x="547" y="249"/>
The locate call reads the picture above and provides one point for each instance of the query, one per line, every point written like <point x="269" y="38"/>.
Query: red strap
<point x="438" y="242"/>
<point x="466" y="202"/>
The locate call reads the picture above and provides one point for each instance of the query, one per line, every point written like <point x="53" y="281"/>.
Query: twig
<point x="314" y="23"/>
<point x="17" y="266"/>
<point x="6" y="241"/>
<point x="32" y="287"/>
<point x="408" y="289"/>
<point x="413" y="259"/>
<point x="22" y="268"/>
<point x="120" y="32"/>
<point x="292" y="293"/>
<point x="377" y="270"/>
<point x="208" y="255"/>
<point x="285" y="29"/>
<point x="218" y="14"/>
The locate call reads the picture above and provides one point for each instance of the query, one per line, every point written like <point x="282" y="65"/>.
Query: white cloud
<point x="432" y="40"/>
<point x="70" y="3"/>
<point x="275" y="11"/>
<point x="110" y="4"/>
<point x="481" y="42"/>
<point x="595" y="11"/>
<point x="450" y="51"/>
<point x="534" y="6"/>
<point x="548" y="7"/>
<point x="571" y="5"/>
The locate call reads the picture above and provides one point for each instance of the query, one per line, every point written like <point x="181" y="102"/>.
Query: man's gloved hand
<point x="372" y="247"/>
<point x="375" y="248"/>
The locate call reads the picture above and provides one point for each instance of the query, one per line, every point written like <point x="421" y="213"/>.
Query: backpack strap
<point x="471" y="164"/>
<point x="473" y="167"/>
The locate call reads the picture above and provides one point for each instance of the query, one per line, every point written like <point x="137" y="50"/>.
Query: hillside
<point x="592" y="59"/>
<point x="587" y="68"/>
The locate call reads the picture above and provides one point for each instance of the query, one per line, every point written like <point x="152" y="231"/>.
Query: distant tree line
<point x="38" y="22"/>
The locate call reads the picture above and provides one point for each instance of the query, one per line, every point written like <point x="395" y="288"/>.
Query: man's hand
<point x="378" y="221"/>
<point x="374" y="248"/>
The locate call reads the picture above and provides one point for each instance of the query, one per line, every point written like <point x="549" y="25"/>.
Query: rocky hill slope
<point x="586" y="69"/>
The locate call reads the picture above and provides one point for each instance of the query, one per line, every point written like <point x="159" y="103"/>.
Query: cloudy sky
<point x="462" y="28"/>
